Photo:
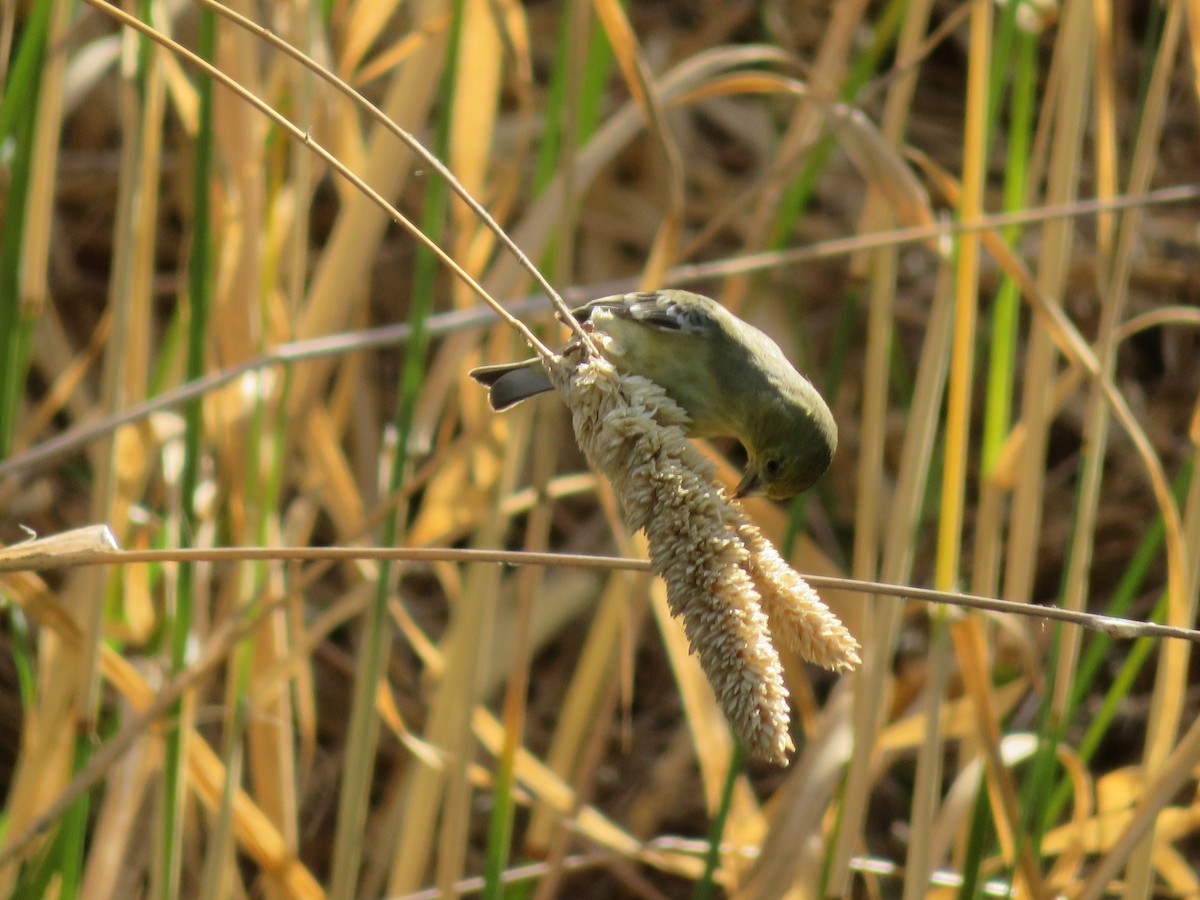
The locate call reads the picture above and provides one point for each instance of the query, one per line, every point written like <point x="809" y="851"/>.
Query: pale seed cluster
<point x="724" y="579"/>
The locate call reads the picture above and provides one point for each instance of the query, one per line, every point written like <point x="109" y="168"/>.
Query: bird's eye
<point x="771" y="467"/>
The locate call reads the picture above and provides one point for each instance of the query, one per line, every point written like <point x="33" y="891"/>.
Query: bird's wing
<point x="668" y="310"/>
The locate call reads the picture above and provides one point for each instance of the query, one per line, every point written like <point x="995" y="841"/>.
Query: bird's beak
<point x="749" y="484"/>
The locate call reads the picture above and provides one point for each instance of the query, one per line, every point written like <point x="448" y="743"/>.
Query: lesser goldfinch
<point x="730" y="378"/>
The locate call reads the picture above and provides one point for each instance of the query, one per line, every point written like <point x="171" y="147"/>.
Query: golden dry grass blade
<point x="1167" y="703"/>
<point x="880" y="626"/>
<point x="646" y="94"/>
<point x="477" y="84"/>
<point x="1068" y="105"/>
<point x="971" y="650"/>
<point x="365" y="24"/>
<point x="48" y="722"/>
<point x="1105" y="131"/>
<point x="882" y="618"/>
<point x="948" y="562"/>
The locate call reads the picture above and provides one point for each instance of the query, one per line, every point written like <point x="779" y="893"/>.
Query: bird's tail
<point x="510" y="383"/>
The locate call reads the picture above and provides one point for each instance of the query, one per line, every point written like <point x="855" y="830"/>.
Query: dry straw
<point x="724" y="579"/>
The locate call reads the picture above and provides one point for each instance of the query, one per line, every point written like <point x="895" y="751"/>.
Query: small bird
<point x="730" y="378"/>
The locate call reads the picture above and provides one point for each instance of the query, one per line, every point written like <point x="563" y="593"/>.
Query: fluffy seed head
<point x="724" y="579"/>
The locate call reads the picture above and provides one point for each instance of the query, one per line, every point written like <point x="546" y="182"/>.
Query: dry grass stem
<point x="724" y="579"/>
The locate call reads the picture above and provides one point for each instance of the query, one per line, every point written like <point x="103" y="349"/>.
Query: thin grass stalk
<point x="916" y="460"/>
<point x="133" y="293"/>
<point x="472" y="127"/>
<point x="500" y="826"/>
<point x="275" y="723"/>
<point x="36" y="206"/>
<point x="269" y="725"/>
<point x="474" y="616"/>
<point x="113" y="826"/>
<point x="293" y="268"/>
<point x="33" y="100"/>
<point x="466" y="642"/>
<point x="871" y="685"/>
<point x="1104" y="135"/>
<point x="877" y="215"/>
<point x="975" y="668"/>
<point x="644" y="87"/>
<point x="575" y="58"/>
<point x="364" y="728"/>
<point x="199" y="297"/>
<point x="113" y="389"/>
<point x="980" y="835"/>
<point x="576" y="93"/>
<point x="1038" y="779"/>
<point x="1115" y="282"/>
<point x="1074" y="42"/>
<point x="1168" y="699"/>
<point x="870" y="470"/>
<point x="827" y="82"/>
<point x="997" y="420"/>
<point x="949" y="534"/>
<point x="588" y="709"/>
<point x="962" y="362"/>
<point x="219" y="868"/>
<point x="18" y="120"/>
<point x="140" y="151"/>
<point x="927" y="788"/>
<point x="774" y="214"/>
<point x="1005" y="320"/>
<point x="1127" y="589"/>
<point x="66" y="863"/>
<point x="706" y="886"/>
<point x="1068" y="105"/>
<point x="530" y="591"/>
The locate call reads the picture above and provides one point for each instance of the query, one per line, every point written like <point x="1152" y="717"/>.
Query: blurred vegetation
<point x="1017" y="402"/>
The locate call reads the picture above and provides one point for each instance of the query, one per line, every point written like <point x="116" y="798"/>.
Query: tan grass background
<point x="571" y="687"/>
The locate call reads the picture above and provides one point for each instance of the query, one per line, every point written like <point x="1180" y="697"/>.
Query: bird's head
<point x="789" y="449"/>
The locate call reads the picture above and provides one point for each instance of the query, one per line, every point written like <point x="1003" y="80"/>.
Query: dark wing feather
<point x="668" y="310"/>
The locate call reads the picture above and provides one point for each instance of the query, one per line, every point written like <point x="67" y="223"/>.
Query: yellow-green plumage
<point x="730" y="378"/>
